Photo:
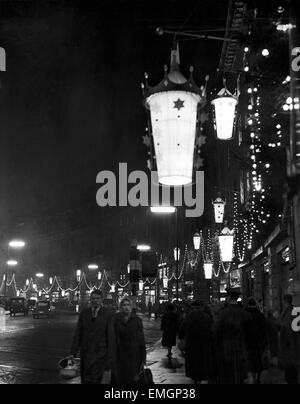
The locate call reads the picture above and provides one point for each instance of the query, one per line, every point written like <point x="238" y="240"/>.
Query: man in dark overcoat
<point x="95" y="339"/>
<point x="232" y="331"/>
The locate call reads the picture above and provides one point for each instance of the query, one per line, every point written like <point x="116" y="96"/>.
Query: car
<point x="42" y="308"/>
<point x="18" y="305"/>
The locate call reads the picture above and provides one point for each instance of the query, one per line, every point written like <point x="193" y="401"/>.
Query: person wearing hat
<point x="232" y="344"/>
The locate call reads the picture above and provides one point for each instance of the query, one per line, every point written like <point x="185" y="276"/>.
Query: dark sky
<point x="71" y="102"/>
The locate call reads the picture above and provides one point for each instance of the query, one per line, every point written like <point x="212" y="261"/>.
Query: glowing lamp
<point x="173" y="106"/>
<point x="197" y="240"/>
<point x="50" y="280"/>
<point x="141" y="286"/>
<point x="78" y="274"/>
<point x="27" y="282"/>
<point x="208" y="269"/>
<point x="226" y="244"/>
<point x="224" y="112"/>
<point x="219" y="207"/>
<point x="176" y="253"/>
<point x="99" y="276"/>
<point x="165" y="283"/>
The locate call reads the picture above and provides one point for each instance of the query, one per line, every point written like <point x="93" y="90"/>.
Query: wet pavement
<point x="30" y="349"/>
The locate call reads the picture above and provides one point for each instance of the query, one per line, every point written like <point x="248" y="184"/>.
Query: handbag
<point x="145" y="376"/>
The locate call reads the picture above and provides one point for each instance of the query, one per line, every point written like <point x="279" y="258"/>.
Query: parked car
<point x="18" y="305"/>
<point x="43" y="308"/>
<point x="31" y="304"/>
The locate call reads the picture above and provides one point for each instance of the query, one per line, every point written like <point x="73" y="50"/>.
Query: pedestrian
<point x="169" y="327"/>
<point x="289" y="344"/>
<point x="130" y="345"/>
<point x="272" y="333"/>
<point x="231" y="330"/>
<point x="257" y="339"/>
<point x="94" y="338"/>
<point x="196" y="331"/>
<point x="149" y="309"/>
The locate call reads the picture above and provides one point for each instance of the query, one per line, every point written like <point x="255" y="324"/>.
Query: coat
<point x="169" y="327"/>
<point x="196" y="331"/>
<point x="232" y="349"/>
<point x="130" y="350"/>
<point x="95" y="339"/>
<point x="256" y="340"/>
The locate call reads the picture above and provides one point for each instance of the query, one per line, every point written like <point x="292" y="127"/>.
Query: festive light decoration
<point x="173" y="106"/>
<point x="219" y="207"/>
<point x="176" y="253"/>
<point x="208" y="269"/>
<point x="16" y="244"/>
<point x="225" y="112"/>
<point x="226" y="244"/>
<point x="196" y="240"/>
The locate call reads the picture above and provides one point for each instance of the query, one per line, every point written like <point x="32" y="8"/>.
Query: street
<point x="30" y="349"/>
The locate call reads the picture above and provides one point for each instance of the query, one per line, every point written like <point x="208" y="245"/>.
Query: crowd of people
<point x="231" y="344"/>
<point x="235" y="343"/>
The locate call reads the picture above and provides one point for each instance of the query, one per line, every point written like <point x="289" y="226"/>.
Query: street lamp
<point x="197" y="240"/>
<point x="173" y="106"/>
<point x="143" y="247"/>
<point x="208" y="269"/>
<point x="78" y="275"/>
<point x="226" y="244"/>
<point x="224" y="112"/>
<point x="93" y="266"/>
<point x="219" y="207"/>
<point x="16" y="244"/>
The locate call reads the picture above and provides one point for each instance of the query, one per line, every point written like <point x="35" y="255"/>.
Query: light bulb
<point x="265" y="52"/>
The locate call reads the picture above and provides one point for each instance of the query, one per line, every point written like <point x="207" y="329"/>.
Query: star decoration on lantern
<point x="178" y="104"/>
<point x="147" y="140"/>
<point x="203" y="117"/>
<point x="198" y="162"/>
<point x="201" y="140"/>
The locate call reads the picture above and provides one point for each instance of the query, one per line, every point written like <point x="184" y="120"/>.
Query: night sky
<point x="71" y="103"/>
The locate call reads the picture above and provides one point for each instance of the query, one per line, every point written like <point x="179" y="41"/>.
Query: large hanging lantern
<point x="196" y="240"/>
<point x="226" y="244"/>
<point x="173" y="106"/>
<point x="225" y="111"/>
<point x="208" y="269"/>
<point x="219" y="207"/>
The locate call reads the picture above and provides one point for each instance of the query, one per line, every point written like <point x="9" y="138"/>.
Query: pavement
<point x="167" y="371"/>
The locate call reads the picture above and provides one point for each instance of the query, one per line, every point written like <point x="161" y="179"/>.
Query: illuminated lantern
<point x="176" y="253"/>
<point x="226" y="244"/>
<point x="27" y="282"/>
<point x="78" y="274"/>
<point x="50" y="280"/>
<point x="62" y="293"/>
<point x="197" y="240"/>
<point x="113" y="288"/>
<point x="219" y="207"/>
<point x="99" y="276"/>
<point x="18" y="293"/>
<point x="224" y="112"/>
<point x="208" y="268"/>
<point x="141" y="286"/>
<point x="173" y="106"/>
<point x="165" y="283"/>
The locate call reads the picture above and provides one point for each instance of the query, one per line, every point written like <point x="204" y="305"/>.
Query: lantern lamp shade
<point x="173" y="119"/>
<point x="27" y="282"/>
<point x="62" y="293"/>
<point x="176" y="253"/>
<point x="50" y="280"/>
<point x="78" y="273"/>
<point x="225" y="110"/>
<point x="165" y="283"/>
<point x="208" y="269"/>
<point x="141" y="286"/>
<point x="99" y="276"/>
<point x="226" y="244"/>
<point x="113" y="288"/>
<point x="18" y="293"/>
<point x="197" y="240"/>
<point x="219" y="207"/>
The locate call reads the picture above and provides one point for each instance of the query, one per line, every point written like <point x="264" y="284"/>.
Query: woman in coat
<point x="169" y="327"/>
<point x="130" y="345"/>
